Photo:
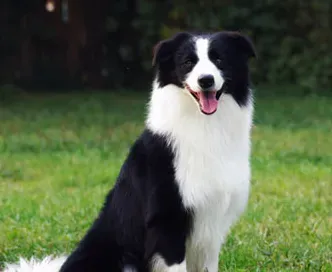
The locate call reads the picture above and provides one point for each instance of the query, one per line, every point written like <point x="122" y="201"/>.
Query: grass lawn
<point x="60" y="154"/>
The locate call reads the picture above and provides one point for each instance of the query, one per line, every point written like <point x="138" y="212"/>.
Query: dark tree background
<point x="108" y="44"/>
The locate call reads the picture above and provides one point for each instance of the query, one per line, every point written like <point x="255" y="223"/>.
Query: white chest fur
<point x="211" y="164"/>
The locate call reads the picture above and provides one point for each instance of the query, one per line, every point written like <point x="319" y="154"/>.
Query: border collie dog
<point x="186" y="179"/>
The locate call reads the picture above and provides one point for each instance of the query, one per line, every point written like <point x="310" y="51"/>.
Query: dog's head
<point x="205" y="66"/>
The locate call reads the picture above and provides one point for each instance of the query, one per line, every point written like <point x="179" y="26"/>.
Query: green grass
<point x="60" y="154"/>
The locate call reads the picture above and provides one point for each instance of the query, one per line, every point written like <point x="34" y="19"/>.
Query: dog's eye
<point x="188" y="63"/>
<point x="218" y="61"/>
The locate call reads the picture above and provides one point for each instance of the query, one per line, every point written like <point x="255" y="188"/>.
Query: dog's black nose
<point x="206" y="81"/>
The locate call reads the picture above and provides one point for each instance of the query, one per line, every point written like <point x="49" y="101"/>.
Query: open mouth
<point x="207" y="100"/>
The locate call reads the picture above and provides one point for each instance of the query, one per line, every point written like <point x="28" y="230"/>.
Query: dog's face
<point x="205" y="66"/>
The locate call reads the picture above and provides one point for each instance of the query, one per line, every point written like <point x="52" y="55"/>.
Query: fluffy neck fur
<point x="211" y="151"/>
<point x="171" y="111"/>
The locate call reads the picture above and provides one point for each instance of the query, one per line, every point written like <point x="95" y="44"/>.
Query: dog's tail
<point x="48" y="264"/>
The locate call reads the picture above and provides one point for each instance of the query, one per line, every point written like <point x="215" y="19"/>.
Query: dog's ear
<point x="242" y="43"/>
<point x="164" y="50"/>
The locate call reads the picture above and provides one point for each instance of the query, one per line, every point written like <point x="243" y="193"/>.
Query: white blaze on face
<point x="207" y="100"/>
<point x="204" y="66"/>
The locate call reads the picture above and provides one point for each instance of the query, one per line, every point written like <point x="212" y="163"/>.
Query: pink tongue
<point x="208" y="101"/>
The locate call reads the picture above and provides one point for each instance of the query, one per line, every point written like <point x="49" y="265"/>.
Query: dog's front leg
<point x="165" y="247"/>
<point x="167" y="225"/>
<point x="212" y="258"/>
<point x="159" y="264"/>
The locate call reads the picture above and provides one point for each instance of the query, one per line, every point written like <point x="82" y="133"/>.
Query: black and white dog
<point x="186" y="179"/>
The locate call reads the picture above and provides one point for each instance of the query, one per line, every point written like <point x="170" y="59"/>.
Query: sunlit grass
<point x="60" y="154"/>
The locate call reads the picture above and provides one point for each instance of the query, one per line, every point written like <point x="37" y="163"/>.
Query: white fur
<point x="211" y="163"/>
<point x="48" y="264"/>
<point x="212" y="170"/>
<point x="204" y="66"/>
<point x="159" y="265"/>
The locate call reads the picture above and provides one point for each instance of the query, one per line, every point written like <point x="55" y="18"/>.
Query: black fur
<point x="142" y="215"/>
<point x="229" y="51"/>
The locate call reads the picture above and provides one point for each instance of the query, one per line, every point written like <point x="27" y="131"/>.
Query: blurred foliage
<point x="293" y="38"/>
